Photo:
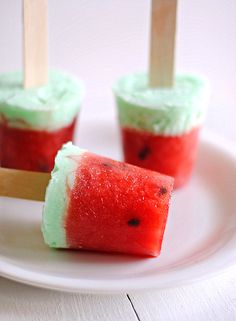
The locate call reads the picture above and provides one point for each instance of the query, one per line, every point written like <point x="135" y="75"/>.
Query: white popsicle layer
<point x="56" y="200"/>
<point x="165" y="111"/>
<point x="49" y="107"/>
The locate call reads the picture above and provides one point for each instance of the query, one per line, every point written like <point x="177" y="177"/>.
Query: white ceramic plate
<point x="200" y="238"/>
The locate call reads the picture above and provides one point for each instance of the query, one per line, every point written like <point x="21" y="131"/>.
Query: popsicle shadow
<point x="20" y="237"/>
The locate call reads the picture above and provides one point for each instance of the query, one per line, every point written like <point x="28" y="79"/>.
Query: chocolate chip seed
<point x="134" y="222"/>
<point x="106" y="164"/>
<point x="144" y="153"/>
<point x="43" y="166"/>
<point x="163" y="190"/>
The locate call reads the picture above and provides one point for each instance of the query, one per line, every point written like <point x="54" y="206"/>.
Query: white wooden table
<point x="212" y="300"/>
<point x="83" y="35"/>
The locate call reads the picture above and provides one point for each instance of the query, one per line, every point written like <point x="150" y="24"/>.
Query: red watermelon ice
<point x="107" y="205"/>
<point x="32" y="150"/>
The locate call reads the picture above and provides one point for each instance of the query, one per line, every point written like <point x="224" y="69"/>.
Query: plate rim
<point x="91" y="289"/>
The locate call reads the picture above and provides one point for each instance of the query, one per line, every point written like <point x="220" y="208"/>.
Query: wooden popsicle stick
<point x="35" y="42"/>
<point x="23" y="184"/>
<point x="162" y="43"/>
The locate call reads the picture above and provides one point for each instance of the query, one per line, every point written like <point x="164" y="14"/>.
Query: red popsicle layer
<point x="116" y="207"/>
<point x="33" y="150"/>
<point x="170" y="155"/>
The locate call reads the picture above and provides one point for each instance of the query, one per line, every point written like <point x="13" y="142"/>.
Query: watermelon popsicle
<point x="160" y="126"/>
<point x="95" y="203"/>
<point x="36" y="122"/>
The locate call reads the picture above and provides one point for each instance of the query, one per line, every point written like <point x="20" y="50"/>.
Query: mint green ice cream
<point x="56" y="200"/>
<point x="49" y="107"/>
<point x="164" y="111"/>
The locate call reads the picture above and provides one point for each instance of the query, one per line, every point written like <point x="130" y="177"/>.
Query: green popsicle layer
<point x="165" y="111"/>
<point x="56" y="200"/>
<point x="49" y="107"/>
